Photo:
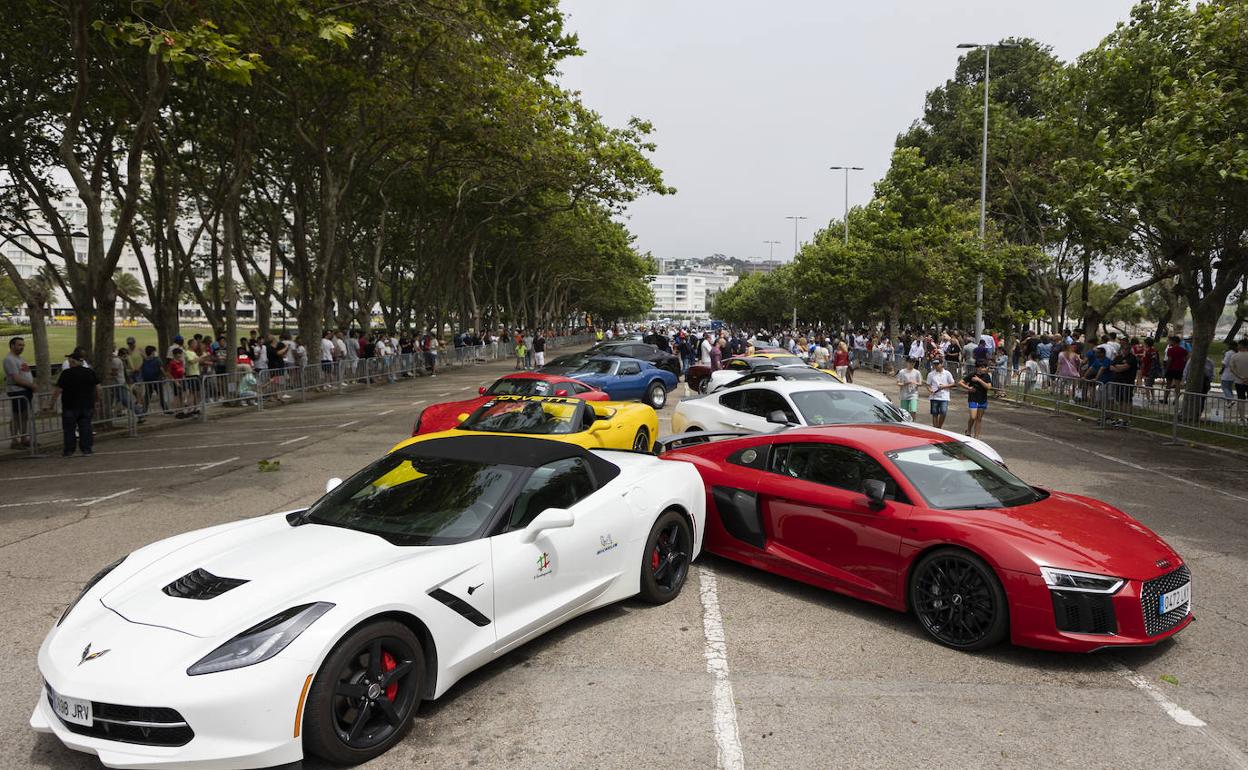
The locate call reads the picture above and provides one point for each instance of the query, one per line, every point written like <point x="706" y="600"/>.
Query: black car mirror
<point x="875" y="491"/>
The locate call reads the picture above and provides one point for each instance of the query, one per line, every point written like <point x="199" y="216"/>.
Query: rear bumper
<point x="1033" y="624"/>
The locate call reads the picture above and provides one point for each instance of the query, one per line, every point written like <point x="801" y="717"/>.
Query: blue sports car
<point x="627" y="379"/>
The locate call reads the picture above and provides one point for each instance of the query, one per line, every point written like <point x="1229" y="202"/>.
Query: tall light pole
<point x="846" y="169"/>
<point x="771" y="250"/>
<point x="795" y="221"/>
<point x="983" y="178"/>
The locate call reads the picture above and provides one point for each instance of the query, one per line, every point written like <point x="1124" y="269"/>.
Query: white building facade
<point x="687" y="294"/>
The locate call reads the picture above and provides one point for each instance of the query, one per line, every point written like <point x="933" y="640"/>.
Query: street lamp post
<point x="771" y="250"/>
<point x="795" y="221"/>
<point x="983" y="178"/>
<point x="846" y="169"/>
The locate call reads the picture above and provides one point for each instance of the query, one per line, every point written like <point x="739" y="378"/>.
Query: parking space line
<point x="48" y="502"/>
<point x="201" y="466"/>
<point x="383" y="414"/>
<point x="294" y="440"/>
<point x="93" y="501"/>
<point x="347" y="424"/>
<point x="724" y="712"/>
<point x="112" y="452"/>
<point x="1183" y="716"/>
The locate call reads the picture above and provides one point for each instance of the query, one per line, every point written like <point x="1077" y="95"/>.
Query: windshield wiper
<point x="978" y="507"/>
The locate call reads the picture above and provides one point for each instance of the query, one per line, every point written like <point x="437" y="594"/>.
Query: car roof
<point x="619" y="358"/>
<point x="883" y="437"/>
<point x="536" y="376"/>
<point x="798" y="386"/>
<point x="494" y="449"/>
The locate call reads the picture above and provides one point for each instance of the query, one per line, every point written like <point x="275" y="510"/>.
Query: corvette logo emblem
<point x="543" y="566"/>
<point x="88" y="655"/>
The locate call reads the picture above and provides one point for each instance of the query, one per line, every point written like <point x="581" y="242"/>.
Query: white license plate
<point x="71" y="709"/>
<point x="1174" y="599"/>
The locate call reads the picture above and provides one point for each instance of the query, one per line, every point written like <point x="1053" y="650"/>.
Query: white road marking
<point x="201" y="466"/>
<point x="383" y="414"/>
<point x="1127" y="463"/>
<point x="418" y="403"/>
<point x="727" y="741"/>
<point x="218" y="462"/>
<point x="347" y="424"/>
<point x="1183" y="716"/>
<point x="444" y="393"/>
<point x="295" y="440"/>
<point x="108" y="497"/>
<point x="175" y="448"/>
<point x="47" y="502"/>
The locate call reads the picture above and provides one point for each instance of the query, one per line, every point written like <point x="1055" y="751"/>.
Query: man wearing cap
<point x="177" y="343"/>
<point x="77" y="387"/>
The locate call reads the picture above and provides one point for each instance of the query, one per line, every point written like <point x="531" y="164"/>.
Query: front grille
<point x="1154" y="622"/>
<point x="148" y="726"/>
<point x="1084" y="613"/>
<point x="201" y="584"/>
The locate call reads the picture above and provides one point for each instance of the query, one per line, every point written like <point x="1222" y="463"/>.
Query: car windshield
<point x="802" y="372"/>
<point x="517" y="386"/>
<point x="417" y="500"/>
<point x="840" y="407"/>
<point x="528" y="417"/>
<point x="571" y="361"/>
<point x="953" y="475"/>
<point x="780" y="361"/>
<point x="597" y="366"/>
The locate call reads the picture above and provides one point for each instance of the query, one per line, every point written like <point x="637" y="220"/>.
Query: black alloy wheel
<point x="959" y="600"/>
<point x="365" y="694"/>
<point x="641" y="442"/>
<point x="656" y="395"/>
<point x="665" y="562"/>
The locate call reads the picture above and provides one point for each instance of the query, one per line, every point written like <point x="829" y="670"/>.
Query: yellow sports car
<point x="591" y="424"/>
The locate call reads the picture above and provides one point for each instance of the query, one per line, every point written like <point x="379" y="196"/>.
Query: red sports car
<point x="915" y="522"/>
<point x="439" y="417"/>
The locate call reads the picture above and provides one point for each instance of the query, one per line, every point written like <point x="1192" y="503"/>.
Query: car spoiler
<point x="695" y="437"/>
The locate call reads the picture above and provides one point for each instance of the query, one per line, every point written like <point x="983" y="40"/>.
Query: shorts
<point x="1174" y="376"/>
<point x="191" y="383"/>
<point x="910" y="404"/>
<point x="982" y="405"/>
<point x="940" y="407"/>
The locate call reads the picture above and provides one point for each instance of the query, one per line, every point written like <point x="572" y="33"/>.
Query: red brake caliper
<point x="388" y="663"/>
<point x="654" y="557"/>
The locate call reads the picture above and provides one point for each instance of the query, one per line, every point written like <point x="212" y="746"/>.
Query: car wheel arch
<point x="908" y="573"/>
<point x="427" y="644"/>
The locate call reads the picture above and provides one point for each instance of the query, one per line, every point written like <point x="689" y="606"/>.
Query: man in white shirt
<point x="704" y="350"/>
<point x="908" y="380"/>
<point x="939" y="383"/>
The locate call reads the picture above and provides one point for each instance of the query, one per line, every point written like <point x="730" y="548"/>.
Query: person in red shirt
<point x="177" y="372"/>
<point x="1175" y="361"/>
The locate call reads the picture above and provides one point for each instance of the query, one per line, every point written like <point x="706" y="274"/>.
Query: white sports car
<point x="320" y="631"/>
<point x="770" y="406"/>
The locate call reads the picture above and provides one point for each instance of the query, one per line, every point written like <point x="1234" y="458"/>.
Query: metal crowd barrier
<point x="125" y="407"/>
<point x="1181" y="414"/>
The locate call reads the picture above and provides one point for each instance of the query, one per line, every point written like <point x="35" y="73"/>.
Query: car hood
<point x="1079" y="533"/>
<point x="282" y="566"/>
<point x="977" y="444"/>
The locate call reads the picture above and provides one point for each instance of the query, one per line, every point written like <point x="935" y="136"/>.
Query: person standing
<point x="20" y="387"/>
<point x="977" y="384"/>
<point x="908" y="380"/>
<point x="539" y="350"/>
<point x="840" y="362"/>
<point x="1239" y="368"/>
<point x="77" y="387"/>
<point x="939" y="382"/>
<point x="431" y="353"/>
<point x="704" y="350"/>
<point x="1175" y="362"/>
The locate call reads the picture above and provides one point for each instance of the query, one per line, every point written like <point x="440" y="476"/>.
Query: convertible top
<point x="510" y="450"/>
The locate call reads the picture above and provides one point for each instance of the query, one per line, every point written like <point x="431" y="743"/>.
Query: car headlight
<point x="1069" y="580"/>
<point x="262" y="641"/>
<point x="90" y="584"/>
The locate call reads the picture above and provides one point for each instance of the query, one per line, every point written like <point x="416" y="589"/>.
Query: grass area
<point x="61" y="338"/>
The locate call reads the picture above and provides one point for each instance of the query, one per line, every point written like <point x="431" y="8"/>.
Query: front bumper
<point x="241" y="719"/>
<point x="1033" y="622"/>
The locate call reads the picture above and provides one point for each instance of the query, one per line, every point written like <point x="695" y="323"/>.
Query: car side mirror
<point x="551" y="518"/>
<point x="481" y="391"/>
<point x="561" y="392"/>
<point x="778" y="417"/>
<point x="906" y="416"/>
<point x="875" y="491"/>
<point x="461" y="417"/>
<point x="332" y="484"/>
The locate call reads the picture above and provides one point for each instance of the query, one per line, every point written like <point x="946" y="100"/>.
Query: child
<point x="246" y="383"/>
<point x="1031" y="370"/>
<point x="521" y="351"/>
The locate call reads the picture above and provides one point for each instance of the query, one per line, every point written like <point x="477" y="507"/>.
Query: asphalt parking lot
<point x="743" y="669"/>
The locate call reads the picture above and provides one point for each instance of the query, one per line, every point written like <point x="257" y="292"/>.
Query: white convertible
<point x="320" y="631"/>
<point x="770" y="406"/>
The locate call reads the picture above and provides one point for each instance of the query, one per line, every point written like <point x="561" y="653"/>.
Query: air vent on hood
<point x="201" y="584"/>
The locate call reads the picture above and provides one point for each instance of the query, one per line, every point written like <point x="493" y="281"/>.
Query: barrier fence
<point x="1183" y="415"/>
<point x="31" y="422"/>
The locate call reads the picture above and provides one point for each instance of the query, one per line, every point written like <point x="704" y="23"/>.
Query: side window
<point x="764" y="402"/>
<point x="637" y="351"/>
<point x="831" y="465"/>
<point x="751" y="457"/>
<point x="630" y="367"/>
<point x="734" y="401"/>
<point x="561" y="484"/>
<point x="748" y="379"/>
<point x="576" y="387"/>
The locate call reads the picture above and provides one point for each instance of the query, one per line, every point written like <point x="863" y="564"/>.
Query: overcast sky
<point x="752" y="101"/>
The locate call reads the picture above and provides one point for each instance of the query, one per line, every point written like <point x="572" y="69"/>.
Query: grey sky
<point x="753" y="101"/>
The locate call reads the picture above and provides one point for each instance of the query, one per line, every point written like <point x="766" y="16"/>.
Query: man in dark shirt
<point x="1122" y="389"/>
<point x="76" y="387"/>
